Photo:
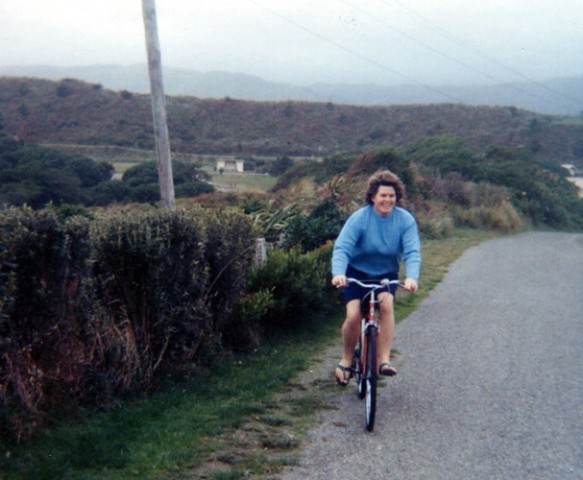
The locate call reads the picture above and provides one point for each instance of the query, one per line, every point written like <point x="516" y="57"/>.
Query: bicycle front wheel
<point x="359" y="364"/>
<point x="371" y="376"/>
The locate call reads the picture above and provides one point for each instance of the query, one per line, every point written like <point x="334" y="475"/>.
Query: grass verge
<point x="245" y="418"/>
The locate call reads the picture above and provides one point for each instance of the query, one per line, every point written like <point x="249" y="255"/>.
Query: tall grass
<point x="174" y="429"/>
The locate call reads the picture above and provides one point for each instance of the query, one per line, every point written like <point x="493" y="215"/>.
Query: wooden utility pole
<point x="158" y="104"/>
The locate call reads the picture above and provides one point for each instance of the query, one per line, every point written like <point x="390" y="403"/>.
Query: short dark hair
<point x="384" y="178"/>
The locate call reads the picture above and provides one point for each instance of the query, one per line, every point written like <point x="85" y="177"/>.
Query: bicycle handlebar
<point x="385" y="282"/>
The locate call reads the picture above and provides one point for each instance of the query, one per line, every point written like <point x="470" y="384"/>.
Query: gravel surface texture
<point x="490" y="382"/>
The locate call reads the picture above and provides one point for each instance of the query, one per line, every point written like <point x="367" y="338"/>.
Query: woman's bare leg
<point x="386" y="327"/>
<point x="350" y="334"/>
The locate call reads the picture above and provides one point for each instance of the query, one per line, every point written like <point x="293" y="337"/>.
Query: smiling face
<point x="385" y="200"/>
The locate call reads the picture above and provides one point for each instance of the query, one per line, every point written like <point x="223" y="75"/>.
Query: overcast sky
<point x="309" y="41"/>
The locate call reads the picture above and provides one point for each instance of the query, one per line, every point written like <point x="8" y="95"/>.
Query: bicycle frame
<point x="365" y="356"/>
<point x="367" y="324"/>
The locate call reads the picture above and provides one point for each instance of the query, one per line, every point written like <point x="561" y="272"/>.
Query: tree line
<point x="37" y="176"/>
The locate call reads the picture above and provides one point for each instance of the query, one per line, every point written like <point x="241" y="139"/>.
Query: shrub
<point x="193" y="189"/>
<point x="503" y="218"/>
<point x="66" y="211"/>
<point x="280" y="166"/>
<point x="110" y="192"/>
<point x="94" y="309"/>
<point x="127" y="294"/>
<point x="332" y="296"/>
<point x="250" y="312"/>
<point x="434" y="220"/>
<point x="41" y="322"/>
<point x="143" y="186"/>
<point x="297" y="282"/>
<point x="272" y="222"/>
<point x="146" y="193"/>
<point x="294" y="175"/>
<point x="386" y="159"/>
<point x="309" y="232"/>
<point x="450" y="187"/>
<point x="229" y="257"/>
<point x="332" y="166"/>
<point x="149" y="281"/>
<point x="538" y="190"/>
<point x="488" y="195"/>
<point x="37" y="176"/>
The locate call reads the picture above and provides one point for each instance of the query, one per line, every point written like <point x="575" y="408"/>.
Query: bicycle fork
<point x="369" y="329"/>
<point x="368" y="386"/>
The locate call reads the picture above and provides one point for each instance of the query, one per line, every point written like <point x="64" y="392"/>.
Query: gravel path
<point x="490" y="382"/>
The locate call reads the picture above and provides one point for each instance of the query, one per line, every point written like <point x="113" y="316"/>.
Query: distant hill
<point x="75" y="112"/>
<point x="561" y="96"/>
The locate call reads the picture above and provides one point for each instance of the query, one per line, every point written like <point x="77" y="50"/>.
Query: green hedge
<point x="230" y="256"/>
<point x="41" y="319"/>
<point x="299" y="284"/>
<point x="147" y="291"/>
<point x="95" y="308"/>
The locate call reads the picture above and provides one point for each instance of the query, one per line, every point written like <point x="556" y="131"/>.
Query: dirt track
<point x="490" y="382"/>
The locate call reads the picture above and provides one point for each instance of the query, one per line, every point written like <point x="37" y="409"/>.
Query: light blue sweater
<point x="375" y="244"/>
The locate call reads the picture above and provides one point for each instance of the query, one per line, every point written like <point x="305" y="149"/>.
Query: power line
<point x="354" y="53"/>
<point x="437" y="51"/>
<point x="463" y="44"/>
<point x="419" y="42"/>
<point x="446" y="35"/>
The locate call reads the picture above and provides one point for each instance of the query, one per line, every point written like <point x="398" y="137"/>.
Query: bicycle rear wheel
<point x="370" y="377"/>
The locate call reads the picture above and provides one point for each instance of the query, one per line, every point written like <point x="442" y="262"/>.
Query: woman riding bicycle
<point x="371" y="245"/>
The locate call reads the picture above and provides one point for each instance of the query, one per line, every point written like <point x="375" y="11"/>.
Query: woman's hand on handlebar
<point x="339" y="281"/>
<point x="410" y="285"/>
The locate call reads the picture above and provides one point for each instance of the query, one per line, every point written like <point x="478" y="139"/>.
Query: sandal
<point x="345" y="379"/>
<point x="387" y="370"/>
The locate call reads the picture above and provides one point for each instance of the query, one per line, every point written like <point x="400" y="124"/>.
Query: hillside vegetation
<point x="75" y="112"/>
<point x="555" y="96"/>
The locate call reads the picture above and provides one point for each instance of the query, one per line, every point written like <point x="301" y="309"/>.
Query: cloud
<point x="381" y="41"/>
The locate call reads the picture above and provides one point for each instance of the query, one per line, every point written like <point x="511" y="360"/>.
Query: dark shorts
<point x="354" y="291"/>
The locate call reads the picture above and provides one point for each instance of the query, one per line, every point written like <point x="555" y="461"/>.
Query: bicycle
<point x="364" y="365"/>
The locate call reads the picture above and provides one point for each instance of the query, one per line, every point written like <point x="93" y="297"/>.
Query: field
<point x="242" y="182"/>
<point x="123" y="158"/>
